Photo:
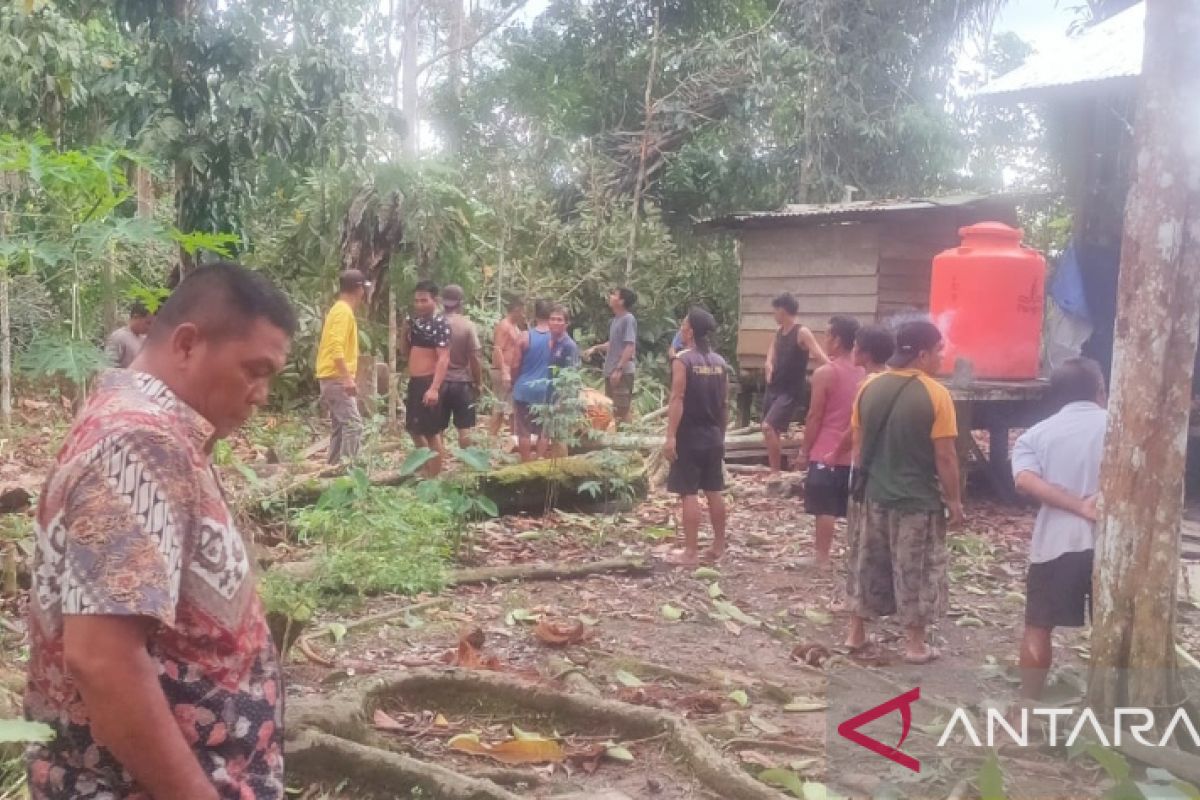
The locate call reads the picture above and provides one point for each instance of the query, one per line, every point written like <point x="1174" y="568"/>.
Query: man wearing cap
<point x="337" y="365"/>
<point x="904" y="433"/>
<point x="464" y="375"/>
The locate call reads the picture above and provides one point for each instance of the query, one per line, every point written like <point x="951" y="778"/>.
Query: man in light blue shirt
<point x="1057" y="463"/>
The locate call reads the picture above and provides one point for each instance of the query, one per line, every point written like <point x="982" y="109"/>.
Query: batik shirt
<point x="132" y="522"/>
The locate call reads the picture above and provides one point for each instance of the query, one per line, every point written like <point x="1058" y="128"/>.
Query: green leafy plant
<point x="57" y="355"/>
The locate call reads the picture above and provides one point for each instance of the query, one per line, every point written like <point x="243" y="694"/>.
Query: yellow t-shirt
<point x="339" y="339"/>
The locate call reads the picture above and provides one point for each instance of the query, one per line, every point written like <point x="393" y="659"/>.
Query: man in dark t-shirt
<point x="904" y="431"/>
<point x="786" y="373"/>
<point x="695" y="443"/>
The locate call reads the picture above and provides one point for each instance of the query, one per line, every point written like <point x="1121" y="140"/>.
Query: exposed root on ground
<point x="342" y="720"/>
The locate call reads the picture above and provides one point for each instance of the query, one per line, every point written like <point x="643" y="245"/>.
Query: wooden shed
<point x="867" y="259"/>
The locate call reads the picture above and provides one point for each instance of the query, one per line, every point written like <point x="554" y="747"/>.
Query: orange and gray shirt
<point x="902" y="473"/>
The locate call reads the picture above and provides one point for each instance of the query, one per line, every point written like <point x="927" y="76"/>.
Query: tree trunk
<point x="639" y="184"/>
<point x="5" y="353"/>
<point x="393" y="356"/>
<point x="410" y="71"/>
<point x="1158" y="315"/>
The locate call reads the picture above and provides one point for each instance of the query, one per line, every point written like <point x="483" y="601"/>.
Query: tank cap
<point x="991" y="230"/>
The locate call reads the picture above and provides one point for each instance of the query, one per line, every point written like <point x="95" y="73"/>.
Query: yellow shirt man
<point x="339" y="339"/>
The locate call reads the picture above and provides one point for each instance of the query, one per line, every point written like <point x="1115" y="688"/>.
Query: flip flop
<point x="931" y="654"/>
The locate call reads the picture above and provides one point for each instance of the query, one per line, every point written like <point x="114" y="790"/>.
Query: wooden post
<point x="1133" y="659"/>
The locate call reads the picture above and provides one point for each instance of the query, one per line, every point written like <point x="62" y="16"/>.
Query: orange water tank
<point x="986" y="297"/>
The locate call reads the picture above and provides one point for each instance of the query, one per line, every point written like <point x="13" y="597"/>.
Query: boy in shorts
<point x="1057" y="463"/>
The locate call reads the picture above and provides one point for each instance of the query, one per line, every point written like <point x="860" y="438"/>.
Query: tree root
<point x="347" y="713"/>
<point x="313" y="755"/>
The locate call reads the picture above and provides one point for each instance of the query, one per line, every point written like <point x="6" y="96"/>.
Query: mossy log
<point x="595" y="482"/>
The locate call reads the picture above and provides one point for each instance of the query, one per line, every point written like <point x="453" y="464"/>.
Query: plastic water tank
<point x="986" y="297"/>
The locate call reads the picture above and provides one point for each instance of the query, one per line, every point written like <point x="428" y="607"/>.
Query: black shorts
<point x="827" y="490"/>
<point x="1058" y="593"/>
<point x="420" y="419"/>
<point x="698" y="470"/>
<point x="778" y="408"/>
<point x="458" y="404"/>
<point x="524" y="420"/>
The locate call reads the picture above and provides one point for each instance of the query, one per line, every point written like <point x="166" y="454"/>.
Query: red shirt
<point x="132" y="521"/>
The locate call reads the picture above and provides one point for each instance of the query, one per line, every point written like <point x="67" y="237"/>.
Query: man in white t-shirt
<point x="1057" y="463"/>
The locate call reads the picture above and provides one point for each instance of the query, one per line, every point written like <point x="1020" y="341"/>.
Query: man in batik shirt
<point x="150" y="657"/>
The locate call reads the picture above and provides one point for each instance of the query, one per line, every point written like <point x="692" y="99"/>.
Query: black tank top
<point x="791" y="363"/>
<point x="703" y="422"/>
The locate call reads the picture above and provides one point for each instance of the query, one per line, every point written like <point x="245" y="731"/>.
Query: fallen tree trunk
<point x="587" y="483"/>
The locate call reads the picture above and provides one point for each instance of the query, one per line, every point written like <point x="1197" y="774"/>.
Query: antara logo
<point x="902" y="703"/>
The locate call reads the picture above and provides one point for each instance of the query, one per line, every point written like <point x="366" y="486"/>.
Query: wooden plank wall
<point x="831" y="269"/>
<point x="906" y="262"/>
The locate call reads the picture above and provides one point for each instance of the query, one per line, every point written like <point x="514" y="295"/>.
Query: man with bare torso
<point x="506" y="358"/>
<point x="425" y="341"/>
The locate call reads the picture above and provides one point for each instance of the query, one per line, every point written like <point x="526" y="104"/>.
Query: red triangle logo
<point x="902" y="703"/>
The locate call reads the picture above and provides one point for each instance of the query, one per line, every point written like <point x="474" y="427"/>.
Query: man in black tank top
<point x="695" y="443"/>
<point x="787" y="371"/>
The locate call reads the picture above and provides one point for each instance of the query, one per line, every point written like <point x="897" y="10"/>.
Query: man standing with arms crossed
<point x="337" y="366"/>
<point x="620" y="353"/>
<point x="1057" y="463"/>
<point x="150" y="655"/>
<point x="506" y="359"/>
<point x="834" y="387"/>
<point x="425" y="342"/>
<point x="905" y="434"/>
<point x="786" y="372"/>
<point x="464" y="375"/>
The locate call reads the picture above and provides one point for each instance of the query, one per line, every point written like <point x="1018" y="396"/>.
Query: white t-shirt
<point x="1064" y="450"/>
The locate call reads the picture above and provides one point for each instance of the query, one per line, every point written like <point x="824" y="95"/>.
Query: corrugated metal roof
<point x="814" y="213"/>
<point x="1110" y="50"/>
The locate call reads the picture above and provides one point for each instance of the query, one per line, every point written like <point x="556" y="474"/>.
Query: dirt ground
<point x="749" y="652"/>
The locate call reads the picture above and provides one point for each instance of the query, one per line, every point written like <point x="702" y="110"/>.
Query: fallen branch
<point x="305" y="642"/>
<point x="306" y="570"/>
<point x="548" y="572"/>
<point x="776" y="745"/>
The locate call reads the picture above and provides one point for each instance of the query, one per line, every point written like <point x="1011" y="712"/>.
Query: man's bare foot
<point x="713" y="554"/>
<point x="922" y="657"/>
<point x="682" y="558"/>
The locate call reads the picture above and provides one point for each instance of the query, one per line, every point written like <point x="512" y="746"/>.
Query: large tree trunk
<point x="1158" y="315"/>
<point x="371" y="231"/>
<point x="409" y="72"/>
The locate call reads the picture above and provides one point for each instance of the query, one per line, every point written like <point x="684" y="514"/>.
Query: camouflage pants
<point x="897" y="564"/>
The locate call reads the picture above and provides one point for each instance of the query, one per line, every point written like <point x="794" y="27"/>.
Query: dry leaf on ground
<point x="530" y="750"/>
<point x="560" y="634"/>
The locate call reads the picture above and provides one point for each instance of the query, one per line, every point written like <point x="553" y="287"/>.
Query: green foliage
<point x="57" y="355"/>
<point x="991" y="780"/>
<point x="20" y="730"/>
<point x="375" y="539"/>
